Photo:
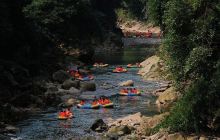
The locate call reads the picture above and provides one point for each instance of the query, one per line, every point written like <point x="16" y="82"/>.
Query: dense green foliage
<point x="35" y="36"/>
<point x="132" y="9"/>
<point x="192" y="54"/>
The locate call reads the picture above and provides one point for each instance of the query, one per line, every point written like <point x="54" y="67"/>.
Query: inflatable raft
<point x="100" y="65"/>
<point x="64" y="117"/>
<point x="87" y="78"/>
<point x="119" y="71"/>
<point x="130" y="93"/>
<point x="88" y="106"/>
<point x="109" y="105"/>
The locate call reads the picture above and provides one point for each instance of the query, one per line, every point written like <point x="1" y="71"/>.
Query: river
<point x="46" y="126"/>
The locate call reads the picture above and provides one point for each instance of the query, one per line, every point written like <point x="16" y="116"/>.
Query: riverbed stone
<point x="67" y="84"/>
<point x="99" y="126"/>
<point x="120" y="130"/>
<point x="127" y="83"/>
<point x="60" y="76"/>
<point x="87" y="86"/>
<point x="11" y="129"/>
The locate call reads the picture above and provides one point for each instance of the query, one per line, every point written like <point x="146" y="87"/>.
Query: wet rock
<point x="52" y="89"/>
<point x="68" y="101"/>
<point x="175" y="136"/>
<point x="11" y="129"/>
<point x="87" y="138"/>
<point x="67" y="84"/>
<point x="99" y="126"/>
<point x="87" y="86"/>
<point x="106" y="86"/>
<point x="72" y="91"/>
<point x="127" y="83"/>
<point x="60" y="76"/>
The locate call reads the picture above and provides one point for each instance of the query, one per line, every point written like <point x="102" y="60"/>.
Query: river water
<point x="46" y="126"/>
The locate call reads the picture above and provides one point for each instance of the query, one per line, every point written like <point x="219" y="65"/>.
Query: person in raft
<point x="119" y="68"/>
<point x="82" y="102"/>
<point x="134" y="90"/>
<point x="103" y="100"/>
<point x="66" y="113"/>
<point x="124" y="90"/>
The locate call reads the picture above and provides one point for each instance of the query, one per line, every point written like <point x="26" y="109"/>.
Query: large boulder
<point x="11" y="129"/>
<point x="152" y="69"/>
<point x="127" y="83"/>
<point x="99" y="126"/>
<point x="120" y="130"/>
<point x="166" y="98"/>
<point x="175" y="136"/>
<point x="71" y="91"/>
<point x="87" y="86"/>
<point x="68" y="101"/>
<point x="60" y="76"/>
<point x="67" y="84"/>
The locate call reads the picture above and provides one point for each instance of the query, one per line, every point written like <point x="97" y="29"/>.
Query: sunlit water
<point x="46" y="126"/>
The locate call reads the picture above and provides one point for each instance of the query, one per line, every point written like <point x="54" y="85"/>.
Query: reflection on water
<point x="126" y="56"/>
<point x="46" y="126"/>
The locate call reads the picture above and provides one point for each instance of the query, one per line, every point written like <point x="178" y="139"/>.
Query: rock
<point x="60" y="76"/>
<point x="120" y="130"/>
<point x="148" y="123"/>
<point x="157" y="136"/>
<point x="127" y="83"/>
<point x="175" y="136"/>
<point x="99" y="126"/>
<point x="52" y="89"/>
<point x="87" y="86"/>
<point x="129" y="120"/>
<point x="67" y="102"/>
<point x="192" y="138"/>
<point x="11" y="129"/>
<point x="167" y="97"/>
<point x="67" y="84"/>
<point x="152" y="69"/>
<point x="203" y="138"/>
<point x="72" y="91"/>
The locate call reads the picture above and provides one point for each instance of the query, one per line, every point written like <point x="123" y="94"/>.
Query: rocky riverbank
<point x="23" y="96"/>
<point x="139" y="127"/>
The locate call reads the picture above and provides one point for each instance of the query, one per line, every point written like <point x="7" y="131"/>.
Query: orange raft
<point x="119" y="70"/>
<point x="62" y="116"/>
<point x="130" y="93"/>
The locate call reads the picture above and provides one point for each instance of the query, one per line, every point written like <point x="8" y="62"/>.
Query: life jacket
<point x="135" y="90"/>
<point x="82" y="102"/>
<point x="94" y="103"/>
<point x="68" y="113"/>
<point x="62" y="114"/>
